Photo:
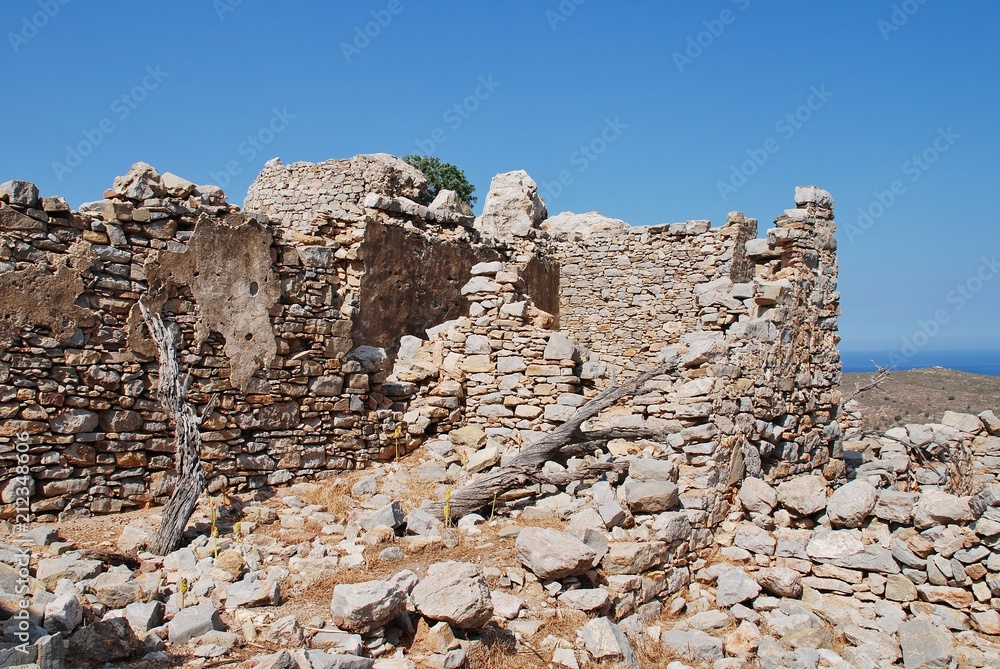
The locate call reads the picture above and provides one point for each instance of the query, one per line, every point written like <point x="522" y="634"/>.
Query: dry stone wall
<point x="335" y="310"/>
<point x="628" y="292"/>
<point x="266" y="319"/>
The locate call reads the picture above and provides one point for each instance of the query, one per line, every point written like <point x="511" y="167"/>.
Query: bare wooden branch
<point x="190" y="480"/>
<point x="616" y="433"/>
<point x="877" y="379"/>
<point x="481" y="492"/>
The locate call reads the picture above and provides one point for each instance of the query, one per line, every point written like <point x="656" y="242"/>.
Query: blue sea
<point x="975" y="362"/>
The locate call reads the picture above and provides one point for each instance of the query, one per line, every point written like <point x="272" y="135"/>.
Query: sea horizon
<point x="973" y="362"/>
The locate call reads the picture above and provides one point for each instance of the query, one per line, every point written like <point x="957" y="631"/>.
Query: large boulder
<point x="756" y="496"/>
<point x="735" y="587"/>
<point x="104" y="641"/>
<point x="456" y="593"/>
<point x="803" y="495"/>
<point x="940" y="508"/>
<point x="63" y="614"/>
<point x="23" y="193"/>
<point x="363" y="607"/>
<point x="193" y="622"/>
<point x="780" y="581"/>
<point x="512" y="207"/>
<point x="552" y="554"/>
<point x="650" y="496"/>
<point x="850" y="504"/>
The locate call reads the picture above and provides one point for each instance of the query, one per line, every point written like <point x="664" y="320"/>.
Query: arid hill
<point x="923" y="395"/>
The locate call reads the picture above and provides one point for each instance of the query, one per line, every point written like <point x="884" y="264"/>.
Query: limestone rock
<point x="898" y="588"/>
<point x="757" y="496"/>
<point x="806" y="195"/>
<point x="448" y="200"/>
<point x="251" y="592"/>
<point x="735" y="587"/>
<point x="63" y="614"/>
<point x="803" y="495"/>
<point x="456" y="593"/>
<point x="74" y="421"/>
<point x="512" y="207"/>
<point x="363" y="607"/>
<point x="694" y="646"/>
<point x="104" y="641"/>
<point x="176" y="186"/>
<point x="552" y="554"/>
<point x="23" y="193"/>
<point x="285" y="632"/>
<point x="925" y="645"/>
<point x="138" y="534"/>
<point x="604" y="640"/>
<point x="940" y="508"/>
<point x="895" y="506"/>
<point x="144" y="616"/>
<point x="850" y="504"/>
<point x="572" y="227"/>
<point x="780" y="581"/>
<point x="650" y="496"/>
<point x="963" y="422"/>
<point x="633" y="557"/>
<point x="506" y="605"/>
<point x="193" y="621"/>
<point x="589" y="600"/>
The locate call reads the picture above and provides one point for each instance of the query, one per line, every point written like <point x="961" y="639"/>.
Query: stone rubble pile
<point x="805" y="573"/>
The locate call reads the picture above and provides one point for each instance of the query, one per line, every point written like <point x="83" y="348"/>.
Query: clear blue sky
<point x="201" y="78"/>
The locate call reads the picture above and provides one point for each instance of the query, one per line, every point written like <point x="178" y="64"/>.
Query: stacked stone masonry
<point x="341" y="322"/>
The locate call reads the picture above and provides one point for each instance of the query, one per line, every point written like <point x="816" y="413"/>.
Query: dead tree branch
<point x="484" y="490"/>
<point x="172" y="391"/>
<point x="877" y="379"/>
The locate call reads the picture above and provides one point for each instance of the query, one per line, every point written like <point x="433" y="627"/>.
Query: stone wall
<point x="335" y="309"/>
<point x="627" y="293"/>
<point x="266" y="319"/>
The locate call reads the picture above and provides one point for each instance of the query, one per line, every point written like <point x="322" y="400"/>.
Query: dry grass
<point x="335" y="494"/>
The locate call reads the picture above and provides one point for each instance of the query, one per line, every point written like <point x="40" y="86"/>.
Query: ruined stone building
<point x="340" y="322"/>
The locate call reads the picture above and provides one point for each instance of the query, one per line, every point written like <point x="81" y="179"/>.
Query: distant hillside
<point x="923" y="395"/>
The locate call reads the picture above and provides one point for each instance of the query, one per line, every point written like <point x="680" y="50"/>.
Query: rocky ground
<point x="897" y="565"/>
